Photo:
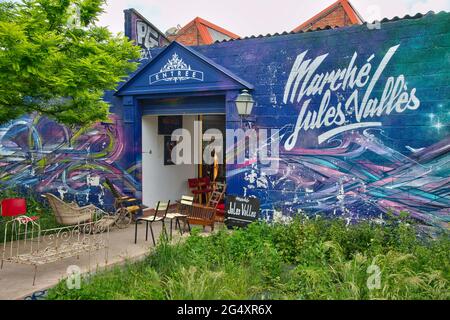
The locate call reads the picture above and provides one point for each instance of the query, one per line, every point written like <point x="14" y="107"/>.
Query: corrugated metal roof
<point x="384" y="20"/>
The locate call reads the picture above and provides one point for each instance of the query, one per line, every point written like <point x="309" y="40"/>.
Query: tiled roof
<point x="350" y="11"/>
<point x="208" y="31"/>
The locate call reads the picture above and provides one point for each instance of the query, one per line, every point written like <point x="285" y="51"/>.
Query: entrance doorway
<point x="164" y="180"/>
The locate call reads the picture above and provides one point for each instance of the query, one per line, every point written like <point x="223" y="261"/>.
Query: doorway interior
<point x="163" y="180"/>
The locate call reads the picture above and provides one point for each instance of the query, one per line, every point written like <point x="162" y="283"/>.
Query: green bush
<point x="307" y="259"/>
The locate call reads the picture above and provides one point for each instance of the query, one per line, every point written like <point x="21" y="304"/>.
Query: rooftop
<point x="384" y="20"/>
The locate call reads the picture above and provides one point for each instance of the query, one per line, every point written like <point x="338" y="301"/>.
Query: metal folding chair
<point x="160" y="207"/>
<point x="183" y="210"/>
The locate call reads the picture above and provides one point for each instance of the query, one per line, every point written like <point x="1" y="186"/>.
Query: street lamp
<point x="244" y="104"/>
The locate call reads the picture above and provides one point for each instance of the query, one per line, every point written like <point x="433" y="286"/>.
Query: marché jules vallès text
<point x="346" y="112"/>
<point x="225" y="310"/>
<point x="242" y="207"/>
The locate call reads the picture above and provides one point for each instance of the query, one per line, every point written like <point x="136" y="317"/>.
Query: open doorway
<point x="163" y="180"/>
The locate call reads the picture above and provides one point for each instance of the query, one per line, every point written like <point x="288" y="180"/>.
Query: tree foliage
<point x="55" y="60"/>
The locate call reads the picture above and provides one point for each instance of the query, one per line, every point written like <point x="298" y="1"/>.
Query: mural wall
<point x="43" y="156"/>
<point x="364" y="118"/>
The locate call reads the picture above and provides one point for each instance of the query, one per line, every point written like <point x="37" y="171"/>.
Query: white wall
<point x="162" y="182"/>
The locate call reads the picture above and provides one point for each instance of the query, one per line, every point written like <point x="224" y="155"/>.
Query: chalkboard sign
<point x="241" y="211"/>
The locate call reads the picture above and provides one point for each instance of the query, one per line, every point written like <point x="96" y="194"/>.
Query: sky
<point x="254" y="17"/>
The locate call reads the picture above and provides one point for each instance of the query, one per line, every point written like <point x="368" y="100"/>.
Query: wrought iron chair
<point x="156" y="216"/>
<point x="24" y="242"/>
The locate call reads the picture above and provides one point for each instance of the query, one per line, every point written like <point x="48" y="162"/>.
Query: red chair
<point x="200" y="187"/>
<point x="15" y="208"/>
<point x="220" y="212"/>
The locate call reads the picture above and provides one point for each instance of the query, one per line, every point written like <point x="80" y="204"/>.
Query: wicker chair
<point x="69" y="214"/>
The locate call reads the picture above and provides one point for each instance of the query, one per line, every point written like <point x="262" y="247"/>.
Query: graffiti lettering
<point x="146" y="37"/>
<point x="395" y="96"/>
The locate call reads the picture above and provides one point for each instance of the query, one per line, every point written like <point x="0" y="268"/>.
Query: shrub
<point x="306" y="259"/>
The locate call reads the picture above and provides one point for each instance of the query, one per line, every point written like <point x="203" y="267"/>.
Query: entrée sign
<point x="176" y="70"/>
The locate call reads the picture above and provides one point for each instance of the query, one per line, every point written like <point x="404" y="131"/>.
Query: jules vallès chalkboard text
<point x="241" y="211"/>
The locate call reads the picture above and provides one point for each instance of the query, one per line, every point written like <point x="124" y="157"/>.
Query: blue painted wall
<point x="399" y="161"/>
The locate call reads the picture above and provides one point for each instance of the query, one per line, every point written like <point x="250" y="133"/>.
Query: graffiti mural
<point x="45" y="156"/>
<point x="364" y="119"/>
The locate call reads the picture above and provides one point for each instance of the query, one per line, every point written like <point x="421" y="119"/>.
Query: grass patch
<point x="307" y="259"/>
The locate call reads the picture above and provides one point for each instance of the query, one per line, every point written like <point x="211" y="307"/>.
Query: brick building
<point x="201" y="32"/>
<point x="339" y="14"/>
<point x="360" y="116"/>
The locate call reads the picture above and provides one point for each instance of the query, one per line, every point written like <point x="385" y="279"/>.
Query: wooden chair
<point x="202" y="215"/>
<point x="123" y="202"/>
<point x="159" y="214"/>
<point x="200" y="187"/>
<point x="206" y="215"/>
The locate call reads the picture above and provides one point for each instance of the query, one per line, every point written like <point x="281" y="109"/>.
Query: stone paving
<point x="16" y="280"/>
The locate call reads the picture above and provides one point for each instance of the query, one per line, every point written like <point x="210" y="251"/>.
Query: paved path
<point x="16" y="280"/>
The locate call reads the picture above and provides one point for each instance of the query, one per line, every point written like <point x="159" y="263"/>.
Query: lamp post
<point x="244" y="104"/>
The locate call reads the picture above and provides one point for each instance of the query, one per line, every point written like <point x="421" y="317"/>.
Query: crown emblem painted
<point x="175" y="64"/>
